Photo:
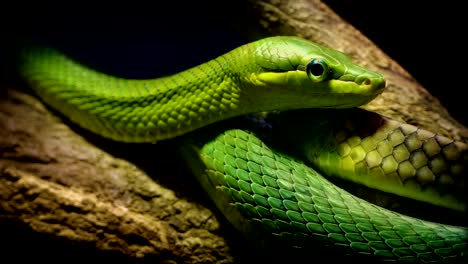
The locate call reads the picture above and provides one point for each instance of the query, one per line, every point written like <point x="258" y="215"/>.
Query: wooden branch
<point x="109" y="196"/>
<point x="58" y="183"/>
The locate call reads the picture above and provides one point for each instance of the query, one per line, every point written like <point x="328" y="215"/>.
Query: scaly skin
<point x="268" y="188"/>
<point x="275" y="197"/>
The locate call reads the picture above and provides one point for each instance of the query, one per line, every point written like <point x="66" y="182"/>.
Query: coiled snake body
<point x="259" y="189"/>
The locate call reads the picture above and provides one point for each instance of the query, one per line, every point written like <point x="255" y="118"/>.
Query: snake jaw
<point x="293" y="78"/>
<point x="364" y="87"/>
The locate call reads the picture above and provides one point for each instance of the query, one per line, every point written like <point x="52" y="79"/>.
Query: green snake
<point x="263" y="192"/>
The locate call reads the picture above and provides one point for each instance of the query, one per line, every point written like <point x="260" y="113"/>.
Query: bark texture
<point x="64" y="183"/>
<point x="60" y="184"/>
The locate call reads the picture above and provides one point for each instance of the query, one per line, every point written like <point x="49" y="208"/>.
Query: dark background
<point x="125" y="39"/>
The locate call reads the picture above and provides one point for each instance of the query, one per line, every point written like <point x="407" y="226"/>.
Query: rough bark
<point x="60" y="184"/>
<point x="60" y="181"/>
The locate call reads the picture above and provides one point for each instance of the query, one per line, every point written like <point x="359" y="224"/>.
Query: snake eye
<point x="317" y="69"/>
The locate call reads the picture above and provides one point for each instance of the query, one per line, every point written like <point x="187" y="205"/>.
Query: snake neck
<point x="135" y="110"/>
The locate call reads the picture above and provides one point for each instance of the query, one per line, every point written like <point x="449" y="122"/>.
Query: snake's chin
<point x="349" y="100"/>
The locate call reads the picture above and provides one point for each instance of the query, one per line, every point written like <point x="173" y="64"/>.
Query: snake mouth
<point x="363" y="84"/>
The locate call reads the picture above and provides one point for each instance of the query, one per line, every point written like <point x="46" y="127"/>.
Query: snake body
<point x="259" y="190"/>
<point x="381" y="153"/>
<point x="261" y="76"/>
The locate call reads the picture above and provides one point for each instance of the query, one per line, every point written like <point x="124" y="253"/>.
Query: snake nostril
<point x="364" y="80"/>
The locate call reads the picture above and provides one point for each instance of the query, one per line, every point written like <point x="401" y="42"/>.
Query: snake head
<point x="310" y="75"/>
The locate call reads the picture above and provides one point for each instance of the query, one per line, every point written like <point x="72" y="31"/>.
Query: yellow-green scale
<point x="397" y="158"/>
